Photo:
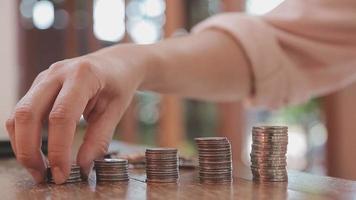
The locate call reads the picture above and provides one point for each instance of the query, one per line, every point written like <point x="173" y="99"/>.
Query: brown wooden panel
<point x="37" y="50"/>
<point x="171" y="126"/>
<point x="71" y="37"/>
<point x="340" y="116"/>
<point x="128" y="126"/>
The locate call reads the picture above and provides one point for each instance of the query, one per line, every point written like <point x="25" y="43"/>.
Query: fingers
<point x="10" y="123"/>
<point x="67" y="110"/>
<point x="26" y="133"/>
<point x="98" y="135"/>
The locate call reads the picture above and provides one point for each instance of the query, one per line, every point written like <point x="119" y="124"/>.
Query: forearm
<point x="209" y="66"/>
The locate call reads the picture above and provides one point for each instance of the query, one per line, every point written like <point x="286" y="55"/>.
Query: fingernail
<point x="58" y="175"/>
<point x="37" y="175"/>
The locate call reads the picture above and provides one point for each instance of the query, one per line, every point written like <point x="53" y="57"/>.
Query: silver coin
<point x="111" y="160"/>
<point x="162" y="173"/>
<point x="268" y="159"/>
<point x="167" y="180"/>
<point x="161" y="150"/>
<point x="268" y="164"/>
<point x="217" y="159"/>
<point x="162" y="156"/>
<point x="150" y="176"/>
<point x="275" y="153"/>
<point x="266" y="127"/>
<point x="210" y="139"/>
<point x="112" y="180"/>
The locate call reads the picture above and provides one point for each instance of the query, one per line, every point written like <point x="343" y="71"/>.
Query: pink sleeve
<point x="299" y="50"/>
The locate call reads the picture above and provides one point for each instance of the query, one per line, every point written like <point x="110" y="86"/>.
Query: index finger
<point x="63" y="118"/>
<point x="28" y="117"/>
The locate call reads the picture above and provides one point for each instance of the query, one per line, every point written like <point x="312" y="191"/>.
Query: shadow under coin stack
<point x="111" y="170"/>
<point x="162" y="165"/>
<point x="74" y="176"/>
<point x="268" y="155"/>
<point x="215" y="159"/>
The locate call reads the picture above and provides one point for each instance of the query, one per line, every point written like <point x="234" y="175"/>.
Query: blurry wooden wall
<point x="340" y="113"/>
<point x="39" y="48"/>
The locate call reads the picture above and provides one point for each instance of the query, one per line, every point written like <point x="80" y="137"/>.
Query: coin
<point x="268" y="153"/>
<point x="162" y="165"/>
<point x="111" y="169"/>
<point x="215" y="159"/>
<point x="74" y="175"/>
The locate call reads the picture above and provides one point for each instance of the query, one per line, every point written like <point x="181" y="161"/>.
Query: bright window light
<point x="109" y="20"/>
<point x="260" y="7"/>
<point x="144" y="32"/>
<point x="43" y="14"/>
<point x="153" y="8"/>
<point x="318" y="134"/>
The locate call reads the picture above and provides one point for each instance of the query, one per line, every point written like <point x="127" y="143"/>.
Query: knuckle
<point x="83" y="68"/>
<point x="56" y="152"/>
<point x="23" y="114"/>
<point x="41" y="75"/>
<point x="9" y="124"/>
<point x="98" y="145"/>
<point x="59" y="115"/>
<point x="55" y="67"/>
<point x="24" y="158"/>
<point x="102" y="146"/>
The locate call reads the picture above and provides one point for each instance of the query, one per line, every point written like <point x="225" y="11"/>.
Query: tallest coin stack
<point x="268" y="155"/>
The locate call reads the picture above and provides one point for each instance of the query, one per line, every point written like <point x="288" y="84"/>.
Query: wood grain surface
<point x="15" y="183"/>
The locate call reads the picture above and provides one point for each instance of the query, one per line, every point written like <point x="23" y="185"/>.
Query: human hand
<point x="90" y="86"/>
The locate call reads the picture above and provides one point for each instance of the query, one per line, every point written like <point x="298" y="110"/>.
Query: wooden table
<point x="15" y="183"/>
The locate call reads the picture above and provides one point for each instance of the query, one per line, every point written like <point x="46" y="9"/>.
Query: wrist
<point x="149" y="62"/>
<point x="137" y="61"/>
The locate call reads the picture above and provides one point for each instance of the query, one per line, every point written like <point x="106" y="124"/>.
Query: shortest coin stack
<point x="111" y="170"/>
<point x="215" y="159"/>
<point x="268" y="155"/>
<point x="162" y="165"/>
<point x="74" y="175"/>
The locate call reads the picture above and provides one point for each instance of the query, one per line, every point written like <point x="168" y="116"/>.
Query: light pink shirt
<point x="300" y="50"/>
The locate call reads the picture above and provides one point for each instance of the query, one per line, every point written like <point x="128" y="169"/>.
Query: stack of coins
<point x="162" y="165"/>
<point x="111" y="170"/>
<point x="268" y="155"/>
<point x="74" y="175"/>
<point x="215" y="159"/>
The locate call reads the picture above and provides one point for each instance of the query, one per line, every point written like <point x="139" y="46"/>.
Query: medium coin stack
<point x="162" y="165"/>
<point x="268" y="155"/>
<point x="215" y="159"/>
<point x="111" y="170"/>
<point x="74" y="175"/>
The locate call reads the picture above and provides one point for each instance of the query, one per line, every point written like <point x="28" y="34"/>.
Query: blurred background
<point x="35" y="34"/>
